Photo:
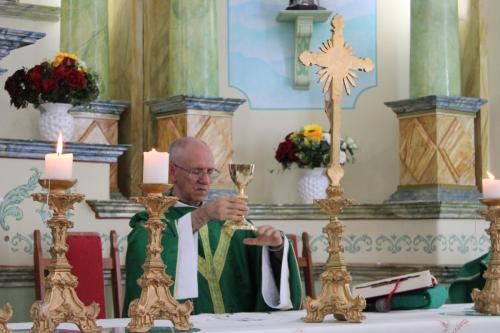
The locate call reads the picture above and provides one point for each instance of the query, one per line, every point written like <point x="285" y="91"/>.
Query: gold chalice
<point x="241" y="175"/>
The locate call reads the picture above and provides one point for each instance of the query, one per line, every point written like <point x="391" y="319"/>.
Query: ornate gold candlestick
<point x="5" y="314"/>
<point x="241" y="175"/>
<point x="155" y="301"/>
<point x="335" y="297"/>
<point x="61" y="303"/>
<point x="336" y="62"/>
<point x="488" y="299"/>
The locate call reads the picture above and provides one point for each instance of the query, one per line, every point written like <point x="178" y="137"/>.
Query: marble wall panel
<point x="437" y="149"/>
<point x="84" y="31"/>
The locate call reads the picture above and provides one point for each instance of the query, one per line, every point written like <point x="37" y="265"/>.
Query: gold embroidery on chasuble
<point x="212" y="265"/>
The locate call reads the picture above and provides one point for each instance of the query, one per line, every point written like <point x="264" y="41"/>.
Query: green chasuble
<point x="229" y="272"/>
<point x="469" y="276"/>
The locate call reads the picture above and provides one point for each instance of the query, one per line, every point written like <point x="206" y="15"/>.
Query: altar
<point x="457" y="318"/>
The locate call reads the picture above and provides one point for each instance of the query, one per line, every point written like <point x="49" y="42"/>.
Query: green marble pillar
<point x="192" y="66"/>
<point x="84" y="32"/>
<point x="434" y="49"/>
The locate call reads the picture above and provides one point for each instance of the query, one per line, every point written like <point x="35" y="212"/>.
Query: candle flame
<point x="490" y="175"/>
<point x="59" y="147"/>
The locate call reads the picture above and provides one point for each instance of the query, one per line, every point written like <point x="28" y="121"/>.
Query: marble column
<point x="434" y="48"/>
<point x="84" y="31"/>
<point x="192" y="66"/>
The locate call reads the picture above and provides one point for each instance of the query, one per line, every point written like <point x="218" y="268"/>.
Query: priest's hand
<point x="266" y="236"/>
<point x="222" y="208"/>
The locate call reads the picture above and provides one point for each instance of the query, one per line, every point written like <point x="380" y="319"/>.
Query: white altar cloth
<point x="447" y="319"/>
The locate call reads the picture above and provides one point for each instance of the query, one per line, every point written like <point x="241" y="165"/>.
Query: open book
<point x="395" y="285"/>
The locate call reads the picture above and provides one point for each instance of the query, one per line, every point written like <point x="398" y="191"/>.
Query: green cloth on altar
<point x="239" y="287"/>
<point x="469" y="276"/>
<point x="429" y="298"/>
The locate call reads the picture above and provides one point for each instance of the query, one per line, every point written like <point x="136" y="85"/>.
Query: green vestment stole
<point x="469" y="276"/>
<point x="229" y="272"/>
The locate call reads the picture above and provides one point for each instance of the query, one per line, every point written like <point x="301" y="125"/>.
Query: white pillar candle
<point x="59" y="165"/>
<point x="491" y="187"/>
<point x="155" y="169"/>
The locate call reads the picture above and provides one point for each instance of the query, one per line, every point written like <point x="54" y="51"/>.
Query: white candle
<point x="491" y="187"/>
<point x="59" y="165"/>
<point x="155" y="170"/>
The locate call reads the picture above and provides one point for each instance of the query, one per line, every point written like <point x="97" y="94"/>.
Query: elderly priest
<point x="223" y="270"/>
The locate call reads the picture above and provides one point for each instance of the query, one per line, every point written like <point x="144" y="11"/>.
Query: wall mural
<point x="394" y="244"/>
<point x="261" y="52"/>
<point x="9" y="206"/>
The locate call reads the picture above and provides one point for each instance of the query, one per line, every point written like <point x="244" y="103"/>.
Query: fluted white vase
<point x="54" y="117"/>
<point x="312" y="185"/>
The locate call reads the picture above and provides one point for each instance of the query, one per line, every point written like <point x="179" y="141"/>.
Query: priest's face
<point x="189" y="173"/>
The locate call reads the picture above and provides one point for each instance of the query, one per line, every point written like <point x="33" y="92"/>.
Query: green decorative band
<point x="211" y="266"/>
<point x="393" y="244"/>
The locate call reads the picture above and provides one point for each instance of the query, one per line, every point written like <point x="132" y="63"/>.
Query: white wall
<point x="375" y="175"/>
<point x="23" y="123"/>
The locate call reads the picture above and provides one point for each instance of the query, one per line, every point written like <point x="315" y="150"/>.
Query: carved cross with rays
<point x="336" y="62"/>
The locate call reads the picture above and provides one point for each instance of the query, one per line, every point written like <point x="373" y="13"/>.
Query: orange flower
<point x="313" y="132"/>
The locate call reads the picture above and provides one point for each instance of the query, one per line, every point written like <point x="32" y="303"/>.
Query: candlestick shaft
<point x="488" y="299"/>
<point x="61" y="303"/>
<point x="155" y="301"/>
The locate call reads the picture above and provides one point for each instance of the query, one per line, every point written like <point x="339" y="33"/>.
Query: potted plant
<point x="309" y="149"/>
<point x="53" y="87"/>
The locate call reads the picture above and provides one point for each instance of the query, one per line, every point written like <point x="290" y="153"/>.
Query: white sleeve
<point x="186" y="272"/>
<point x="274" y="298"/>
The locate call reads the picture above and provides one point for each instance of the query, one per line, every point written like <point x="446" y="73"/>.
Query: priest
<point x="221" y="269"/>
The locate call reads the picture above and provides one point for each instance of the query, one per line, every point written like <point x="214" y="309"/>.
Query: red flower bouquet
<point x="64" y="80"/>
<point x="310" y="148"/>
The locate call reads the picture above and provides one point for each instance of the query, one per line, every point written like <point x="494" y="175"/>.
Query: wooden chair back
<point x="304" y="261"/>
<point x="111" y="263"/>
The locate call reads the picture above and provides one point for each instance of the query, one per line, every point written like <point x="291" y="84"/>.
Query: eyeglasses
<point x="212" y="173"/>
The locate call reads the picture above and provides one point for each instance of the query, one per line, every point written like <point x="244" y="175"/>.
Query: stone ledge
<point x="123" y="209"/>
<point x="36" y="149"/>
<point x="432" y="102"/>
<point x="101" y="106"/>
<point x="186" y="102"/>
<point x="15" y="9"/>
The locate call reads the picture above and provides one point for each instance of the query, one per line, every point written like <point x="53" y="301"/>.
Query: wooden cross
<point x="336" y="62"/>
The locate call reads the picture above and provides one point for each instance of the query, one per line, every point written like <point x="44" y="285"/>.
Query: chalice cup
<point x="241" y="175"/>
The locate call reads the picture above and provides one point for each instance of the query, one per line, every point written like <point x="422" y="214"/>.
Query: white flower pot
<point x="312" y="185"/>
<point x="54" y="117"/>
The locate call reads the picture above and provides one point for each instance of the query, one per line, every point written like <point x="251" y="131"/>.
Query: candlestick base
<point x="488" y="299"/>
<point x="335" y="297"/>
<point x="61" y="303"/>
<point x="5" y="314"/>
<point x="155" y="301"/>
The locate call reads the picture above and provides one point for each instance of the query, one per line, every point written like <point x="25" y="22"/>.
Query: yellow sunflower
<point x="60" y="57"/>
<point x="313" y="132"/>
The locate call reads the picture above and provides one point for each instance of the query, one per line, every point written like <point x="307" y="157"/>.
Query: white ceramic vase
<point x="54" y="117"/>
<point x="312" y="185"/>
